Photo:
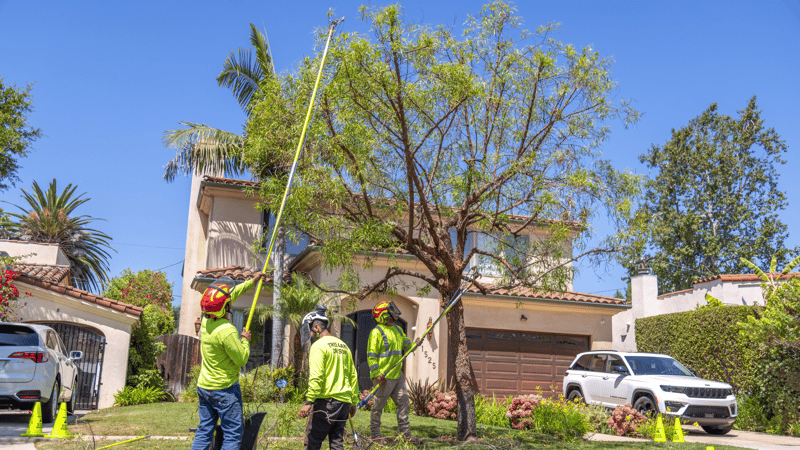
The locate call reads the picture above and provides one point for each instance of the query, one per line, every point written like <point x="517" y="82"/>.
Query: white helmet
<point x="308" y="320"/>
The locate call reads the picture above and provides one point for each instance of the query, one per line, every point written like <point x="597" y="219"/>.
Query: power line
<point x="174" y="264"/>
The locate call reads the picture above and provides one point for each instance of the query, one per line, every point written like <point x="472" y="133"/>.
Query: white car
<point x="652" y="383"/>
<point x="34" y="367"/>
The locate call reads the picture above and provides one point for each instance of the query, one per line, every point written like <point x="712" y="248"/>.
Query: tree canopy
<point x="476" y="146"/>
<point x="145" y="287"/>
<point x="16" y="135"/>
<point x="713" y="198"/>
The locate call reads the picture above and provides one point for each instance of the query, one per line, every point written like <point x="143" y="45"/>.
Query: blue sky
<point x="111" y="77"/>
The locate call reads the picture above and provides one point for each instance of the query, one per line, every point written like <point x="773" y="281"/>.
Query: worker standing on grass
<point x="386" y="345"/>
<point x="223" y="354"/>
<point x="332" y="384"/>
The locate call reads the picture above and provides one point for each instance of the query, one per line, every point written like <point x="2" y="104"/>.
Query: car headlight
<point x="675" y="389"/>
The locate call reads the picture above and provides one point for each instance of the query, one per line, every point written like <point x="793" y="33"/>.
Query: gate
<point x="181" y="353"/>
<point x="89" y="367"/>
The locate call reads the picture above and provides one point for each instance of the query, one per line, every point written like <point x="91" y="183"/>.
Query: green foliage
<point x="707" y="341"/>
<point x="596" y="417"/>
<point x="144" y="349"/>
<point x="142" y="288"/>
<point x="649" y="427"/>
<point x="258" y="385"/>
<point x="419" y="394"/>
<point x="16" y="135"/>
<point x="49" y="217"/>
<point x="491" y="411"/>
<point x="189" y="393"/>
<point x="778" y="326"/>
<point x="139" y="396"/>
<point x="714" y="198"/>
<point x="558" y="418"/>
<point x="9" y="294"/>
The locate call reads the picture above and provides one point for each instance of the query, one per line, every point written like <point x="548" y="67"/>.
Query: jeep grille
<point x="704" y="392"/>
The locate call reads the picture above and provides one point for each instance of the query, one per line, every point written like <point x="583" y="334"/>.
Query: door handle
<point x="605" y="378"/>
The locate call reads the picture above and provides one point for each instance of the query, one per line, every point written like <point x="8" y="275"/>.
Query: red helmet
<point x="384" y="309"/>
<point x="216" y="297"/>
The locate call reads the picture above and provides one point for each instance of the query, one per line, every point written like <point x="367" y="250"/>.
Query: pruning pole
<point x="298" y="152"/>
<point x="456" y="296"/>
<point x="125" y="442"/>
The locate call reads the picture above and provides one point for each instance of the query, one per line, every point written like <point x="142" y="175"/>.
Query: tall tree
<point x="713" y="198"/>
<point x="49" y="217"/>
<point x="200" y="147"/>
<point x="428" y="139"/>
<point x="16" y="135"/>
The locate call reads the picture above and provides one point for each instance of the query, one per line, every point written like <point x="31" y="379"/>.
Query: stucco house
<point x="99" y="327"/>
<point x="733" y="289"/>
<point x="518" y="339"/>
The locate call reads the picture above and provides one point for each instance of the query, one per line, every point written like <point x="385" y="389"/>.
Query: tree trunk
<point x="277" y="319"/>
<point x="298" y="358"/>
<point x="460" y="370"/>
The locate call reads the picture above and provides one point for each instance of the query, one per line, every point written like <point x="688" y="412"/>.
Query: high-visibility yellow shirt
<point x="385" y="347"/>
<point x="222" y="350"/>
<point x="331" y="372"/>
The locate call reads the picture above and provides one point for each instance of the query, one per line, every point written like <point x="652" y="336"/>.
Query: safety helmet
<point x="383" y="310"/>
<point x="308" y="320"/>
<point x="216" y="297"/>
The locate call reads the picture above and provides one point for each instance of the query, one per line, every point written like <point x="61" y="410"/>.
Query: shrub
<point x="139" y="396"/>
<point x="189" y="393"/>
<point x="559" y="419"/>
<point x="596" y="417"/>
<point x="258" y="385"/>
<point x="625" y="420"/>
<point x="145" y="348"/>
<point x="419" y="395"/>
<point x="648" y="428"/>
<point x="521" y="409"/>
<point x="491" y="411"/>
<point x="443" y="405"/>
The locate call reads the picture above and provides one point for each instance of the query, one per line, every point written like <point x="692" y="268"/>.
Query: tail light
<point x="37" y="357"/>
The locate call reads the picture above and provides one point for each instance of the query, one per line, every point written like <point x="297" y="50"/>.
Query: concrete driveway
<point x="12" y="424"/>
<point x="735" y="438"/>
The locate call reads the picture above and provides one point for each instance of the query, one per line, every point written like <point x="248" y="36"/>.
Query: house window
<point x="296" y="242"/>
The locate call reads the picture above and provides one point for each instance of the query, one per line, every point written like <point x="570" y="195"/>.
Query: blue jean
<point x="225" y="404"/>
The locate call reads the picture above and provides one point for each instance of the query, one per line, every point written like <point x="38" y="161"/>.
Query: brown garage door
<point x="516" y="362"/>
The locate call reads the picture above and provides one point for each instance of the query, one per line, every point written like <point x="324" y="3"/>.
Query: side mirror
<point x="620" y="369"/>
<point x="75" y="355"/>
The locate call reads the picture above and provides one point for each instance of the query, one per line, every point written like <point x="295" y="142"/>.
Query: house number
<point x="430" y="360"/>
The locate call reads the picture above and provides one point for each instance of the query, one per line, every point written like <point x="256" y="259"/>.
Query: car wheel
<point x="575" y="396"/>
<point x="646" y="405"/>
<point x="717" y="430"/>
<point x="50" y="409"/>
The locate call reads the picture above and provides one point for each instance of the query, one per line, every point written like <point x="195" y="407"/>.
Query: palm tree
<point x="200" y="147"/>
<point x="297" y="300"/>
<point x="49" y="218"/>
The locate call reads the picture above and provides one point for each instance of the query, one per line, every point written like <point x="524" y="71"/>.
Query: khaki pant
<point x="396" y="389"/>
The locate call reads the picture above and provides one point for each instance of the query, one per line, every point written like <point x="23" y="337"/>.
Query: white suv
<point x="652" y="383"/>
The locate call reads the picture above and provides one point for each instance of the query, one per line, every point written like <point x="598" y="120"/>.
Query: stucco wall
<point x="35" y="252"/>
<point x="48" y="306"/>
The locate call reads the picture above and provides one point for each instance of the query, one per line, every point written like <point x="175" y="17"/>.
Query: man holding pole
<point x="385" y="347"/>
<point x="332" y="384"/>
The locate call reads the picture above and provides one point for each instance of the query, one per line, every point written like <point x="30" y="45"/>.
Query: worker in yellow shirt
<point x="385" y="347"/>
<point x="223" y="353"/>
<point x="332" y="384"/>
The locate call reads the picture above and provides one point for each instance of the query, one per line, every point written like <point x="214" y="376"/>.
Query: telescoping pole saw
<point x="468" y="280"/>
<point x="294" y="168"/>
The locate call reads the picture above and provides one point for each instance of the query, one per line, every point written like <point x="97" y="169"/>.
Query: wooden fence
<point x="181" y="354"/>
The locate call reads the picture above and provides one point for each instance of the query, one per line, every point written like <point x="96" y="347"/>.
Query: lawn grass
<point x="175" y="419"/>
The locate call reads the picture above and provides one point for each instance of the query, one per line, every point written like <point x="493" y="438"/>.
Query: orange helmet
<point x="216" y="297"/>
<point x="383" y="310"/>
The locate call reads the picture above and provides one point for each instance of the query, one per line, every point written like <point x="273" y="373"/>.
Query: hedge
<point x="707" y="341"/>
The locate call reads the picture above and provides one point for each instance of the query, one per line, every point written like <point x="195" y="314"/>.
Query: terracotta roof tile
<point x="52" y="273"/>
<point x="676" y="293"/>
<point x="552" y="295"/>
<point x="237" y="273"/>
<point x="32" y="279"/>
<point x="746" y="277"/>
<point x="231" y="181"/>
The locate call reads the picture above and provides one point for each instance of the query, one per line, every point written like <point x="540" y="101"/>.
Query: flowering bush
<point x="520" y="410"/>
<point x="141" y="289"/>
<point x="443" y="405"/>
<point x="625" y="420"/>
<point x="9" y="294"/>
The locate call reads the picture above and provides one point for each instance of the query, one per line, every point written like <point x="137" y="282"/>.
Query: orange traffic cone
<point x="35" y="424"/>
<point x="60" y="425"/>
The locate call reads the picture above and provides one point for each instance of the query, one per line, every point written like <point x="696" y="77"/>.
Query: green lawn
<point x="175" y="419"/>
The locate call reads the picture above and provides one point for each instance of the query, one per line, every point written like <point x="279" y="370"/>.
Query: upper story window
<point x="296" y="242"/>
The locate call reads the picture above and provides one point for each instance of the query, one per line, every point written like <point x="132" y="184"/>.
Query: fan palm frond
<point x="201" y="147"/>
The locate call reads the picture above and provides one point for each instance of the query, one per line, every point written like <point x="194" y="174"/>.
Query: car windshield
<point x="657" y="365"/>
<point x="18" y="336"/>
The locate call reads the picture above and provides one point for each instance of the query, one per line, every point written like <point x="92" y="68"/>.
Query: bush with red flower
<point x="625" y="420"/>
<point x="443" y="405"/>
<point x="520" y="410"/>
<point x="9" y="296"/>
